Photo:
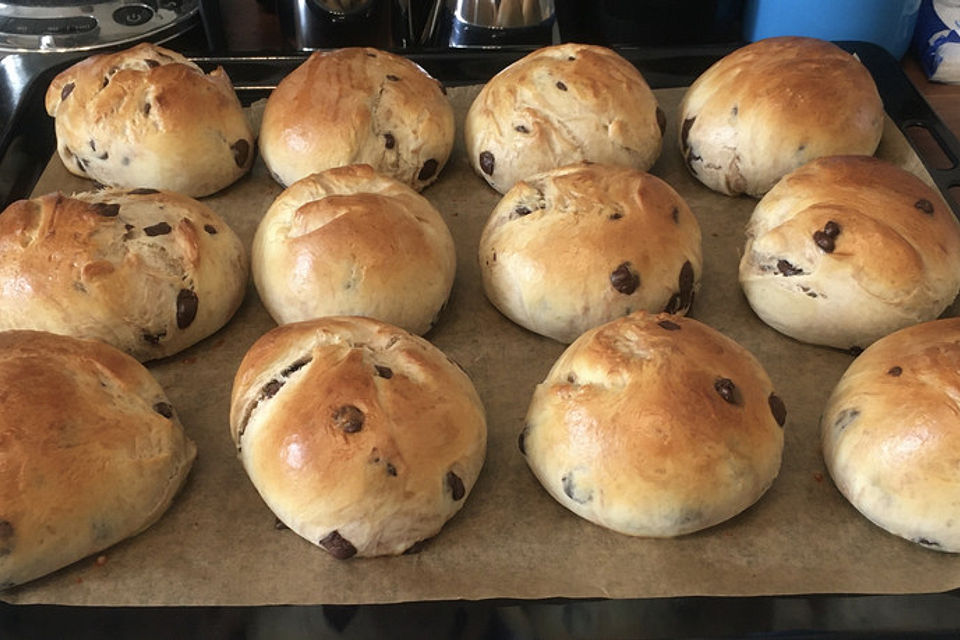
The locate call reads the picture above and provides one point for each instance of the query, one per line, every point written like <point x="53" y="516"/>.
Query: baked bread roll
<point x="891" y="434"/>
<point x="349" y="241"/>
<point x="148" y="117"/>
<point x="146" y="271"/>
<point x="772" y="106"/>
<point x="655" y="425"/>
<point x="567" y="250"/>
<point x="360" y="437"/>
<point x="847" y="249"/>
<point x="91" y="451"/>
<point x="560" y="105"/>
<point x="357" y="106"/>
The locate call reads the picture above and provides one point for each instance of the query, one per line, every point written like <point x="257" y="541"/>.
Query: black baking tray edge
<point x="26" y="145"/>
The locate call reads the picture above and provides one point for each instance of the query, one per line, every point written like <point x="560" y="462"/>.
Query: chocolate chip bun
<point x="146" y="271"/>
<point x="91" y="451"/>
<point x="349" y="241"/>
<point x="357" y="106"/>
<point x="561" y="105"/>
<point x="655" y="425"/>
<point x="891" y="434"/>
<point x="148" y="117"/>
<point x="773" y="105"/>
<point x="847" y="249"/>
<point x="567" y="250"/>
<point x="360" y="437"/>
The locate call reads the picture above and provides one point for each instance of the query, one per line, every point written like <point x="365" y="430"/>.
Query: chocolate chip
<point x="389" y="141"/>
<point x="924" y="205"/>
<point x="383" y="372"/>
<point x="574" y="492"/>
<point x="187" y="303"/>
<point x="296" y="366"/>
<point x="164" y="409"/>
<point x="778" y="409"/>
<point x="825" y="237"/>
<point x="153" y="64"/>
<point x="735" y="111"/>
<point x="521" y="129"/>
<point x="669" y="326"/>
<point x="209" y="228"/>
<point x="661" y="120"/>
<point x="855" y="350"/>
<point x="241" y="150"/>
<point x="338" y="546"/>
<point x="561" y="86"/>
<point x="486" y="162"/>
<point x="685" y="130"/>
<point x="105" y="210"/>
<point x="392" y="77"/>
<point x="391" y="470"/>
<point x="67" y="90"/>
<point x="895" y="371"/>
<point x="832" y="229"/>
<point x="153" y="338"/>
<point x="845" y="418"/>
<point x="727" y="390"/>
<point x="428" y="170"/>
<point x="270" y="389"/>
<point x="457" y="490"/>
<point x="571" y="58"/>
<point x="142" y="192"/>
<point x="624" y="279"/>
<point x="616" y="215"/>
<point x="279" y="525"/>
<point x="675" y="214"/>
<point x="348" y="418"/>
<point x="522" y="439"/>
<point x="788" y="269"/>
<point x="159" y="229"/>
<point x="146" y="108"/>
<point x="521" y="211"/>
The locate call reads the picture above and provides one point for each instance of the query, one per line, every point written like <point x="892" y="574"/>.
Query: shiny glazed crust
<point x="357" y="106"/>
<point x="560" y="105"/>
<point x="567" y="250"/>
<point x="655" y="425"/>
<point x="349" y="241"/>
<point x="148" y="117"/>
<point x="359" y="436"/>
<point x="91" y="451"/>
<point x="772" y="106"/>
<point x="149" y="272"/>
<point x="847" y="249"/>
<point x="891" y="434"/>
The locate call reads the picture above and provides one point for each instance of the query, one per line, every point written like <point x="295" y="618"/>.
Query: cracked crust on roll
<point x="655" y="425"/>
<point x="357" y="106"/>
<point x="771" y="106"/>
<point x="148" y="117"/>
<point x="149" y="272"/>
<point x="567" y="250"/>
<point x="891" y="434"/>
<point x="560" y="105"/>
<point x="359" y="436"/>
<point x="847" y="249"/>
<point x="91" y="451"/>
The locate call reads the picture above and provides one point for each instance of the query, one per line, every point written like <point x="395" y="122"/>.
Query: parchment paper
<point x="218" y="545"/>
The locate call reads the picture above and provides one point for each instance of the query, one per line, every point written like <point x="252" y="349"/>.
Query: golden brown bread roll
<point x="567" y="250"/>
<point x="560" y="105"/>
<point x="348" y="241"/>
<point x="357" y="106"/>
<point x="91" y="451"/>
<point x="773" y="105"/>
<point x="655" y="425"/>
<point x="891" y="434"/>
<point x="847" y="249"/>
<point x="149" y="272"/>
<point x="148" y="117"/>
<point x="359" y="436"/>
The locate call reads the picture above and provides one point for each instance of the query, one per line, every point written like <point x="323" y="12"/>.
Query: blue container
<point x="888" y="23"/>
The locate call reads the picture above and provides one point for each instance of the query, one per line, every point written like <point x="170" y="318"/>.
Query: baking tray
<point x="26" y="145"/>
